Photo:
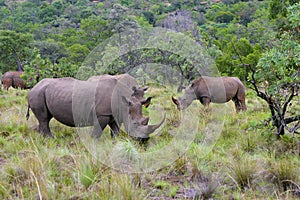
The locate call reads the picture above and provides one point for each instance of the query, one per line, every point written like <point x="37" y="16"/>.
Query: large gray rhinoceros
<point x="86" y="103"/>
<point x="214" y="89"/>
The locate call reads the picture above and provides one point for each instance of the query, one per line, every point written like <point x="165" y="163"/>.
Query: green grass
<point x="246" y="161"/>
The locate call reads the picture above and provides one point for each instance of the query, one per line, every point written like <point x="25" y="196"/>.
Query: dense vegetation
<point x="257" y="41"/>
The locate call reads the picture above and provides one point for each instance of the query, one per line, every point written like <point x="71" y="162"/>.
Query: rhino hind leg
<point x="44" y="118"/>
<point x="45" y="129"/>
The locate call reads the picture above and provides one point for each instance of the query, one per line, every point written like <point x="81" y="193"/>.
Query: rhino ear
<point x="175" y="101"/>
<point x="146" y="102"/>
<point x="145" y="88"/>
<point x="126" y="101"/>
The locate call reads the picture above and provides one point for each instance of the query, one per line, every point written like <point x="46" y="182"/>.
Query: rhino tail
<point x="27" y="114"/>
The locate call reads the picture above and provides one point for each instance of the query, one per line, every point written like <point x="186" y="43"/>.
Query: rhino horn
<point x="152" y="128"/>
<point x="175" y="100"/>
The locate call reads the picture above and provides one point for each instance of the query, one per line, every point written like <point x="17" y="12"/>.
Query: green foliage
<point x="294" y="15"/>
<point x="15" y="49"/>
<point x="279" y="66"/>
<point x="40" y="68"/>
<point x="276" y="80"/>
<point x="78" y="53"/>
<point x="37" y="69"/>
<point x="237" y="56"/>
<point x="279" y="9"/>
<point x="51" y="50"/>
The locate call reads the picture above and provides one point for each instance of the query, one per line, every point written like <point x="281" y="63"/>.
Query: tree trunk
<point x="19" y="65"/>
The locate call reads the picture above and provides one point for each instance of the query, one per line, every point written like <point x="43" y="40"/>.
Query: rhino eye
<point x="135" y="122"/>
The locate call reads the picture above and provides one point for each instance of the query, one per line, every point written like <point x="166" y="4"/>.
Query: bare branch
<point x="292" y="119"/>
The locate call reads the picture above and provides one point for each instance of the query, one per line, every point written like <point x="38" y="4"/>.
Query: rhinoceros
<point x="214" y="89"/>
<point x="13" y="79"/>
<point x="85" y="103"/>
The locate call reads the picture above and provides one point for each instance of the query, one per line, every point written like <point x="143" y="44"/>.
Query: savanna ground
<point x="246" y="161"/>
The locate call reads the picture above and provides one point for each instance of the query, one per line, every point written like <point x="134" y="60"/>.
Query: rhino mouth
<point x="179" y="103"/>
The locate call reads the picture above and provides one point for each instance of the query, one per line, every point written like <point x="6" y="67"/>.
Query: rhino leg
<point x="44" y="119"/>
<point x="205" y="101"/>
<point x="43" y="116"/>
<point x="237" y="104"/>
<point x="115" y="129"/>
<point x="243" y="103"/>
<point x="99" y="125"/>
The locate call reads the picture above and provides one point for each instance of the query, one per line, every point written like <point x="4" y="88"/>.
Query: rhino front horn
<point x="152" y="128"/>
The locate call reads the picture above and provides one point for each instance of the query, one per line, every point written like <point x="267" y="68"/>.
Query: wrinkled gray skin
<point x="214" y="89"/>
<point x="127" y="81"/>
<point x="84" y="103"/>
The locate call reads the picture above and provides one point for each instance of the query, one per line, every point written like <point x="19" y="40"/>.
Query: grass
<point x="239" y="158"/>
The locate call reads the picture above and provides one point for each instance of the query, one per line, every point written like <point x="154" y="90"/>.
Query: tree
<point x="15" y="49"/>
<point x="276" y="79"/>
<point x="78" y="53"/>
<point x="278" y="10"/>
<point x="237" y="56"/>
<point x="37" y="69"/>
<point x="51" y="50"/>
<point x="93" y="30"/>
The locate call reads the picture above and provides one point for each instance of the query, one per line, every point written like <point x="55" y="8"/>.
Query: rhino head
<point x="135" y="124"/>
<point x="187" y="98"/>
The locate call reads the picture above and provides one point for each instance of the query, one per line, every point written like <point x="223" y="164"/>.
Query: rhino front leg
<point x="99" y="125"/>
<point x="115" y="129"/>
<point x="237" y="104"/>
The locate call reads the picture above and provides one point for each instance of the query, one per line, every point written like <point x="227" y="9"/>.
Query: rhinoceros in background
<point x="13" y="79"/>
<point x="85" y="103"/>
<point x="214" y="89"/>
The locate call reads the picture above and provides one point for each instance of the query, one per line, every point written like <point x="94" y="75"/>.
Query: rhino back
<point x="75" y="103"/>
<point x="219" y="89"/>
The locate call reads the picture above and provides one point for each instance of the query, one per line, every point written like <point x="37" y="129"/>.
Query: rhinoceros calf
<point x="214" y="89"/>
<point x="13" y="79"/>
<point x="86" y="103"/>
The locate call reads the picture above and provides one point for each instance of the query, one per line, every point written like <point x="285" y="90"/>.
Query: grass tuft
<point x="243" y="172"/>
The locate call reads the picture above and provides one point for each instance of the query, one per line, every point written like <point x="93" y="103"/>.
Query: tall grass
<point x="245" y="161"/>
